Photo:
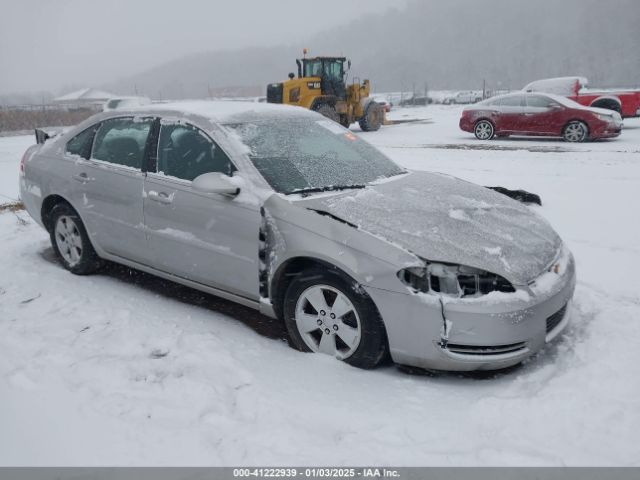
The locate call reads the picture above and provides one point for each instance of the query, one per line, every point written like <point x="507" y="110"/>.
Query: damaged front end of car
<point x="486" y="321"/>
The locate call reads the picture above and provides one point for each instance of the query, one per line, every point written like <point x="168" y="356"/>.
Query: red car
<point x="540" y="115"/>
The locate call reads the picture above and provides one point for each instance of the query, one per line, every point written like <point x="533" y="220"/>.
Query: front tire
<point x="575" y="132"/>
<point x="70" y="241"/>
<point x="329" y="313"/>
<point x="372" y="118"/>
<point x="484" y="130"/>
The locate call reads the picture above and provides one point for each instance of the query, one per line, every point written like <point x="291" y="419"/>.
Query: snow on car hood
<point x="445" y="219"/>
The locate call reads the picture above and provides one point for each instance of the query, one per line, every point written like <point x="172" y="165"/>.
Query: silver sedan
<point x="282" y="210"/>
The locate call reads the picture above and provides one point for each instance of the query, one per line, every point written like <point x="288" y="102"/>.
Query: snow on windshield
<point x="298" y="153"/>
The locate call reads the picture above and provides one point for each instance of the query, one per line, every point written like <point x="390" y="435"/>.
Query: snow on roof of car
<point x="224" y="111"/>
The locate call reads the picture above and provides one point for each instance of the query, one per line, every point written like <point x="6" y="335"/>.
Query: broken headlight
<point x="454" y="280"/>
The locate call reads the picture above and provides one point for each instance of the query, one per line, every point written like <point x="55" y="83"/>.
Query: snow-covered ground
<point x="11" y="150"/>
<point x="124" y="369"/>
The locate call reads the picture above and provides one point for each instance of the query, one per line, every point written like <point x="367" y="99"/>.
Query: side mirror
<point x="215" y="182"/>
<point x="291" y="75"/>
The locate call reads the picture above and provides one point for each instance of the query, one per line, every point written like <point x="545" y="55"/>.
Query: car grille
<point x="485" y="350"/>
<point x="556" y="318"/>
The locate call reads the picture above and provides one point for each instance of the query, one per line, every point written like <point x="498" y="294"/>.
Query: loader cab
<point x="330" y="70"/>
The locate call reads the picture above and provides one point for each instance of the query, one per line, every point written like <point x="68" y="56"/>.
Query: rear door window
<point x="122" y="141"/>
<point x="81" y="144"/>
<point x="513" y="101"/>
<point x="186" y="152"/>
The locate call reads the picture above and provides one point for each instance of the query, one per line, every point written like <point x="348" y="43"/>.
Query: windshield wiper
<point x="329" y="188"/>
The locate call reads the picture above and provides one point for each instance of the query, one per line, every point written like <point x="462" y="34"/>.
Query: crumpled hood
<point x="445" y="219"/>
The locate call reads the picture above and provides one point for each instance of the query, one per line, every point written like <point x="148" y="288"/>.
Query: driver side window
<point x="539" y="101"/>
<point x="186" y="152"/>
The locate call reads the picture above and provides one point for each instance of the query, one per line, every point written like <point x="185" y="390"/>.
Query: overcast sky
<point x="48" y="44"/>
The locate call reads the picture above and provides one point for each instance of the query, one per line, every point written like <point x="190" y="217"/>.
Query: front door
<point x="207" y="238"/>
<point x="542" y="114"/>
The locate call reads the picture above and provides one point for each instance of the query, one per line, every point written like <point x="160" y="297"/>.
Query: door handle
<point x="82" y="177"/>
<point x="160" y="197"/>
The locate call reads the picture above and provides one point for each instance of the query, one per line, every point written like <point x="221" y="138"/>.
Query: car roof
<point x="220" y="111"/>
<point x="567" y="102"/>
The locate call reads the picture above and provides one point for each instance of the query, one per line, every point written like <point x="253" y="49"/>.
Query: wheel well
<point x="294" y="267"/>
<point x="610" y="103"/>
<point x="288" y="271"/>
<point x="47" y="206"/>
<point x="324" y="100"/>
<point x="486" y="120"/>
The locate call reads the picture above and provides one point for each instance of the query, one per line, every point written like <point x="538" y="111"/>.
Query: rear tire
<point x="575" y="131"/>
<point x="70" y="241"/>
<point x="328" y="111"/>
<point x="355" y="334"/>
<point x="372" y="118"/>
<point x="344" y="121"/>
<point x="484" y="130"/>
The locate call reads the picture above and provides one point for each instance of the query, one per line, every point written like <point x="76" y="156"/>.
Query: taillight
<point x="22" y="162"/>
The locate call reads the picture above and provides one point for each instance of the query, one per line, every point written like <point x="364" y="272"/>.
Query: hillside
<point x="447" y="45"/>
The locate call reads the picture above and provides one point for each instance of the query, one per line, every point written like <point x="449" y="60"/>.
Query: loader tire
<point x="372" y="118"/>
<point x="345" y="121"/>
<point x="328" y="111"/>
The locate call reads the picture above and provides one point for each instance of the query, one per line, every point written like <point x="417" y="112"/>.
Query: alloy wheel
<point x="68" y="240"/>
<point x="484" y="130"/>
<point x="328" y="321"/>
<point x="575" y="132"/>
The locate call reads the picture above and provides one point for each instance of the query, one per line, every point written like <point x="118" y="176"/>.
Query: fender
<point x="364" y="102"/>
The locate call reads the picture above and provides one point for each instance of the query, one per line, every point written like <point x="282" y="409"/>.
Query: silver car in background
<point x="282" y="210"/>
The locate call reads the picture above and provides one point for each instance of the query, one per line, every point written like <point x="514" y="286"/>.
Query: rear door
<point x="211" y="239"/>
<point x="109" y="186"/>
<point x="542" y="115"/>
<point x="510" y="117"/>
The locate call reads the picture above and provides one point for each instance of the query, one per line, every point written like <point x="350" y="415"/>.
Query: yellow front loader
<point x="321" y="86"/>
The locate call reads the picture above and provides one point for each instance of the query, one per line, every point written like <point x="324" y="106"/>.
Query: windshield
<point x="300" y="153"/>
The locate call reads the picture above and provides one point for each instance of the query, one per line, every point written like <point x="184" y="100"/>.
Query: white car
<point x="463" y="98"/>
